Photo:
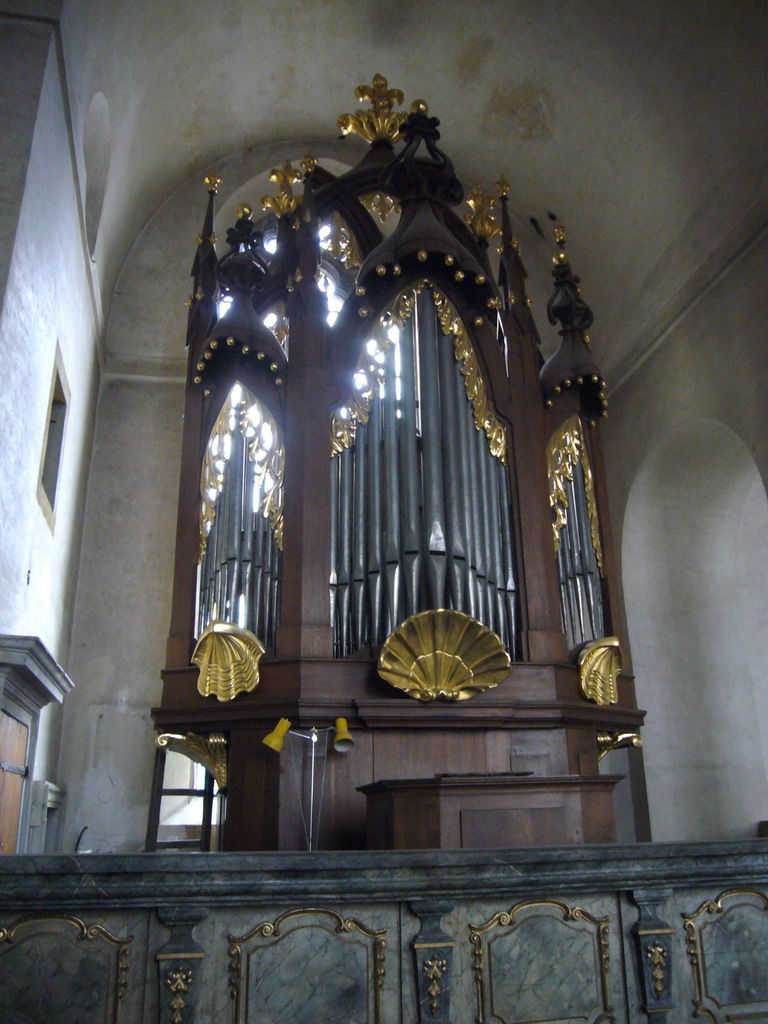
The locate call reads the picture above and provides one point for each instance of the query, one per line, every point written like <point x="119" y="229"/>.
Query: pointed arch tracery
<point x="241" y="517"/>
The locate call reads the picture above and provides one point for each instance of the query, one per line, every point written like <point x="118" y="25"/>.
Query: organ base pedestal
<point x="489" y="811"/>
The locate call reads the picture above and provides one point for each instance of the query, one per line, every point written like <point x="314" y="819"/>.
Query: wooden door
<point x="13" y="761"/>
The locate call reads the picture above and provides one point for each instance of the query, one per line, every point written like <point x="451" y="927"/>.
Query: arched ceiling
<point x="641" y="125"/>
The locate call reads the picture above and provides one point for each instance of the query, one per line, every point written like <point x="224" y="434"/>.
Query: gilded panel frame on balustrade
<point x="506" y="922"/>
<point x="346" y="929"/>
<point x="73" y="930"/>
<point x="713" y="912"/>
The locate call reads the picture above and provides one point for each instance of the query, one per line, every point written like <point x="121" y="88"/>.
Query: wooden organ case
<point x="392" y="511"/>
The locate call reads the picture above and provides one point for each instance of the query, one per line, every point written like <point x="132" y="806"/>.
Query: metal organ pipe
<point x="375" y="535"/>
<point x="409" y="459"/>
<point x="578" y="571"/>
<point x="238" y="578"/>
<point x="421" y="505"/>
<point x="433" y="496"/>
<point x="454" y="480"/>
<point x="389" y="429"/>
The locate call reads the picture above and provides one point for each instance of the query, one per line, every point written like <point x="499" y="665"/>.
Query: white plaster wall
<point x="47" y="304"/>
<point x="695" y="554"/>
<point x="24" y="50"/>
<point x="123" y="613"/>
<point x="686" y="460"/>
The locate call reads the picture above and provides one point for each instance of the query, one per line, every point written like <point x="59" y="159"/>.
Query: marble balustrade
<point x="665" y="932"/>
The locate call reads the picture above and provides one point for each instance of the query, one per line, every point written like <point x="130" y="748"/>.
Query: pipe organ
<point x="391" y="514"/>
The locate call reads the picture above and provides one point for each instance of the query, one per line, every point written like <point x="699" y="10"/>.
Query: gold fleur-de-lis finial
<point x="381" y="123"/>
<point x="213" y="182"/>
<point x="308" y="164"/>
<point x="482" y="219"/>
<point x="559" y="232"/>
<point x="244" y="211"/>
<point x="285" y="202"/>
<point x="379" y="95"/>
<point x="502" y="187"/>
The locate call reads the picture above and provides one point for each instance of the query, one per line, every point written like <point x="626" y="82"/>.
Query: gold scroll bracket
<point x="210" y="751"/>
<point x="608" y="741"/>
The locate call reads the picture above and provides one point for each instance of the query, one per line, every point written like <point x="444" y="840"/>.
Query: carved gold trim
<point x="179" y="981"/>
<point x="209" y="750"/>
<point x="566" y="449"/>
<point x="341" y="244"/>
<point x="84" y="933"/>
<point x="656" y="955"/>
<point x="212" y="475"/>
<point x="695" y="949"/>
<point x="228" y="658"/>
<point x="474" y="385"/>
<point x="342" y="430"/>
<point x="273" y="930"/>
<point x="434" y="969"/>
<point x="284" y="202"/>
<point x="443" y="654"/>
<point x="273" y="465"/>
<point x="380" y="123"/>
<point x="512" y="919"/>
<point x="482" y="217"/>
<point x="380" y="205"/>
<point x="599" y="668"/>
<point x="608" y="741"/>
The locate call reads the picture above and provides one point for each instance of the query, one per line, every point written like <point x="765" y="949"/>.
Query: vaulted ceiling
<point x="641" y="125"/>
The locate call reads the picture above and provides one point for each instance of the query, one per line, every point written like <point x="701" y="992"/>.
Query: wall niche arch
<point x="695" y="550"/>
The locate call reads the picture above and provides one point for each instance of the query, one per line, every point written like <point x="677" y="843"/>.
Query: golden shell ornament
<point x="228" y="658"/>
<point x="599" y="669"/>
<point x="443" y="654"/>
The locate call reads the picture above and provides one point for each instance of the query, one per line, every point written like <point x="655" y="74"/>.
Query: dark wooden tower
<point x="392" y="512"/>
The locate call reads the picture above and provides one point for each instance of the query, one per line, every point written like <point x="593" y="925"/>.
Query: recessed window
<point x="50" y="463"/>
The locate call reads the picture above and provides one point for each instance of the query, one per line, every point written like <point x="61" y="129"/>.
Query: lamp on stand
<point x="342" y="744"/>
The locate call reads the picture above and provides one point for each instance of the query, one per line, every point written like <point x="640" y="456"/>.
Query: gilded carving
<point x="434" y="969"/>
<point x="209" y="751"/>
<point x="344" y="421"/>
<point x="269" y="463"/>
<point x="358" y="406"/>
<point x="343" y="429"/>
<point x="565" y="450"/>
<point x="179" y="981"/>
<point x="380" y="123"/>
<point x="608" y="741"/>
<point x="380" y="205"/>
<point x="599" y="669"/>
<point x="482" y="216"/>
<point x="451" y="325"/>
<point x="25" y="928"/>
<point x="341" y="244"/>
<point x="512" y="920"/>
<point x="443" y="654"/>
<point x="285" y="202"/>
<point x="270" y="470"/>
<point x="476" y="393"/>
<point x="656" y="954"/>
<point x="277" y="930"/>
<point x="709" y="912"/>
<point x="228" y="658"/>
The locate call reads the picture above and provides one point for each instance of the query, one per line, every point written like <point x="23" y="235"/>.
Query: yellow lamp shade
<point x="274" y="740"/>
<point x="342" y="741"/>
